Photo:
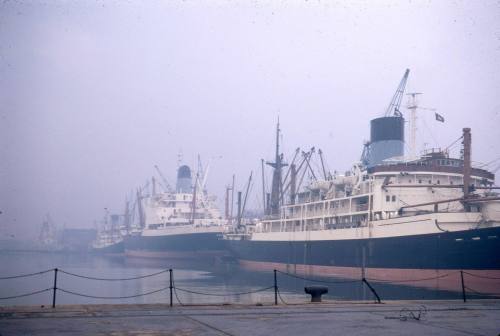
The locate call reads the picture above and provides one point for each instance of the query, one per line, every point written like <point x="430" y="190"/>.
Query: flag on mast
<point x="439" y="117"/>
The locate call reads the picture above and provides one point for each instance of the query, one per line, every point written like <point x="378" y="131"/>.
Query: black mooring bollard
<point x="463" y="286"/>
<point x="54" y="288"/>
<point x="316" y="292"/>
<point x="171" y="285"/>
<point x="275" y="289"/>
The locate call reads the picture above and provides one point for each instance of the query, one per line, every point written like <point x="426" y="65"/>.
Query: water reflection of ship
<point x="390" y="217"/>
<point x="184" y="222"/>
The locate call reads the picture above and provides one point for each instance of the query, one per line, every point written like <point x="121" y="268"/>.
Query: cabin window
<point x="393" y="198"/>
<point x="438" y="182"/>
<point x="420" y="181"/>
<point x="451" y="181"/>
<point x="430" y="182"/>
<point x="387" y="198"/>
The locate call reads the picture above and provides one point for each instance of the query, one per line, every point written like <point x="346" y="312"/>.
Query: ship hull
<point x="116" y="248"/>
<point x="401" y="259"/>
<point x="190" y="245"/>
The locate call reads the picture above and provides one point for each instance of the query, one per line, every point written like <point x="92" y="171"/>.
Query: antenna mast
<point x="412" y="106"/>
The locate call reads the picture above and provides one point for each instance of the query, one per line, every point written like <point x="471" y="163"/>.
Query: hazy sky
<point x="94" y="94"/>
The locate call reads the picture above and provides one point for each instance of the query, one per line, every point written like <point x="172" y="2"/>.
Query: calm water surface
<point x="222" y="280"/>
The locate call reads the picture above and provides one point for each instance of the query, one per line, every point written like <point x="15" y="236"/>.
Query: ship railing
<point x="463" y="278"/>
<point x="361" y="207"/>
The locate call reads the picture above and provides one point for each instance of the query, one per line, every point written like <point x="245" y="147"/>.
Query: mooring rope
<point x="317" y="280"/>
<point x="413" y="280"/>
<point x="481" y="276"/>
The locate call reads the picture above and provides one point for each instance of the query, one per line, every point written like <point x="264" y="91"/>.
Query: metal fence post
<point x="54" y="288"/>
<point x="463" y="285"/>
<point x="275" y="289"/>
<point x="171" y="285"/>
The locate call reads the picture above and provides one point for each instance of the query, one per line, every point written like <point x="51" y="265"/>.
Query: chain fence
<point x="278" y="295"/>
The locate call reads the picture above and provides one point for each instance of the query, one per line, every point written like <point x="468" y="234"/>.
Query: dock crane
<point x="395" y="104"/>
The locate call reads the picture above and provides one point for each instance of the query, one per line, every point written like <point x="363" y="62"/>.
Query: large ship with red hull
<point x="423" y="221"/>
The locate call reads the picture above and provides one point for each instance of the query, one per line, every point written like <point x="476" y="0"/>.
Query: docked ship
<point x="49" y="237"/>
<point x="180" y="223"/>
<point x="391" y="218"/>
<point x="111" y="234"/>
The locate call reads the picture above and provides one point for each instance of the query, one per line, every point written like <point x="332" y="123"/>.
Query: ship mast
<point x="467" y="161"/>
<point x="126" y="216"/>
<point x="412" y="106"/>
<point x="193" y="202"/>
<point x="277" y="183"/>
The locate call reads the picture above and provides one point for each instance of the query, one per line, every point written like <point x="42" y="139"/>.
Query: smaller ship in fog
<point x="110" y="235"/>
<point x="49" y="239"/>
<point x="179" y="223"/>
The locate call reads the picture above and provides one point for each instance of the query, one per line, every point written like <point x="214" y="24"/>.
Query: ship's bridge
<point x="434" y="163"/>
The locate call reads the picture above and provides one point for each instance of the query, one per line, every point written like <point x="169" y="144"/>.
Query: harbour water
<point x="197" y="282"/>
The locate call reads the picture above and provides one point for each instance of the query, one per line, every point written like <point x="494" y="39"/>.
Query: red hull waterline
<point x="480" y="281"/>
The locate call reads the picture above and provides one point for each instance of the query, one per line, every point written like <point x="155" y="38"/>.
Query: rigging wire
<point x="454" y="143"/>
<point x="430" y="132"/>
<point x="489" y="163"/>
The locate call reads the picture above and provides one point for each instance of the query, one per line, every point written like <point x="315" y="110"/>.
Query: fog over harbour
<point x="94" y="94"/>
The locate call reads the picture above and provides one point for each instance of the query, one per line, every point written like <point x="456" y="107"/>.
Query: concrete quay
<point x="327" y="318"/>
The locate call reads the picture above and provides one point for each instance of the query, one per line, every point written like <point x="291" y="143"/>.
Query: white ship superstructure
<point x="180" y="222"/>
